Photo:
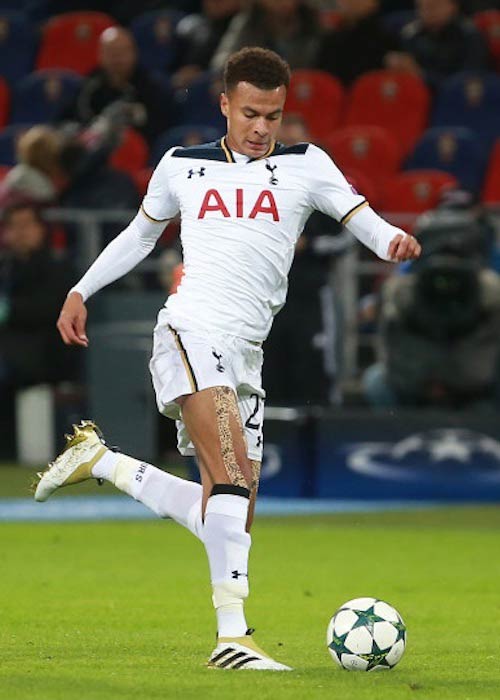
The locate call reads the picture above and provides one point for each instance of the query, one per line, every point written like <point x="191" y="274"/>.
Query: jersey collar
<point x="231" y="159"/>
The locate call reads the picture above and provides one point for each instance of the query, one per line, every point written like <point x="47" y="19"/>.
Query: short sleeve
<point x="329" y="191"/>
<point x="160" y="203"/>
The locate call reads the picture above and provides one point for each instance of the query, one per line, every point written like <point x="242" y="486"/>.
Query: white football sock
<point x="228" y="546"/>
<point x="165" y="494"/>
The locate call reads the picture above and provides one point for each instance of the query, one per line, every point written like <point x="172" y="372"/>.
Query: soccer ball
<point x="366" y="634"/>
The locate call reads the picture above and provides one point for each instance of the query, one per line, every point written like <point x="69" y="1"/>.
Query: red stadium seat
<point x="396" y="101"/>
<point x="4" y="102"/>
<point x="318" y="97"/>
<point x="363" y="185"/>
<point x="491" y="189"/>
<point x="371" y="150"/>
<point x="72" y="40"/>
<point x="416" y="191"/>
<point x="141" y="179"/>
<point x="132" y="153"/>
<point x="488" y="23"/>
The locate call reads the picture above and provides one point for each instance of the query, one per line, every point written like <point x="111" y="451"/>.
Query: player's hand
<point x="72" y="321"/>
<point x="404" y="247"/>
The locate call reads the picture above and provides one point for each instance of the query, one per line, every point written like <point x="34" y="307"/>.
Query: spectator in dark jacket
<point x="440" y="42"/>
<point x="120" y="78"/>
<point x="33" y="284"/>
<point x="289" y="27"/>
<point x="200" y="35"/>
<point x="359" y="44"/>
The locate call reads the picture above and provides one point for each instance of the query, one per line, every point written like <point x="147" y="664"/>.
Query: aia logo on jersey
<point x="264" y="205"/>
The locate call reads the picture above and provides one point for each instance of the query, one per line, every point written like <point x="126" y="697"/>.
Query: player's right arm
<point x="128" y="249"/>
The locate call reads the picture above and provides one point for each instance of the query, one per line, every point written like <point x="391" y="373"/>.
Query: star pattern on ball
<point x="377" y="657"/>
<point x="338" y="644"/>
<point x="401" y="628"/>
<point x="367" y="618"/>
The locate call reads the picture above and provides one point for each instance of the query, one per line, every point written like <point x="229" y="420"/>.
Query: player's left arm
<point x="330" y="193"/>
<point x="387" y="241"/>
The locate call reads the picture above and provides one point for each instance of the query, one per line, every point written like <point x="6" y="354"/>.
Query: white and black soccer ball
<point x="366" y="634"/>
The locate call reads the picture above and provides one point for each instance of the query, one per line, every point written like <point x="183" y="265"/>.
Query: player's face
<point x="253" y="117"/>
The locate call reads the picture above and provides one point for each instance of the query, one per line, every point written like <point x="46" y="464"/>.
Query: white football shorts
<point x="187" y="361"/>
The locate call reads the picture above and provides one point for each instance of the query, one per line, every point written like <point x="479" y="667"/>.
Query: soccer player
<point x="243" y="203"/>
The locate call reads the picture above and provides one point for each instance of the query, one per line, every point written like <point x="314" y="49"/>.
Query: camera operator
<point x="440" y="322"/>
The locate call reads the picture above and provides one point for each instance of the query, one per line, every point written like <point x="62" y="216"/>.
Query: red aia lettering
<point x="258" y="207"/>
<point x="218" y="206"/>
<point x="265" y="204"/>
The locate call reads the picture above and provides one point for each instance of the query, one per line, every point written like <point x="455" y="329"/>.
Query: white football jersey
<point x="240" y="221"/>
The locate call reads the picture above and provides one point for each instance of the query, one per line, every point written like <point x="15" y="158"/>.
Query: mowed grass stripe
<point x="122" y="610"/>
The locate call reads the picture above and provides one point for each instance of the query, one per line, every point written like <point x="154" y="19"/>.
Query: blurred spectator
<point x="33" y="285"/>
<point x="120" y="78"/>
<point x="89" y="180"/>
<point x="441" y="41"/>
<point x="200" y="35"/>
<point x="440" y="323"/>
<point x="309" y="326"/>
<point x="37" y="177"/>
<point x="359" y="44"/>
<point x="289" y="27"/>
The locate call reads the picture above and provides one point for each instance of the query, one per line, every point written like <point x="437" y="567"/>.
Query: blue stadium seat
<point x="471" y="100"/>
<point x="18" y="45"/>
<point x="456" y="150"/>
<point x="200" y="103"/>
<point x="183" y="136"/>
<point x="43" y="95"/>
<point x="156" y="38"/>
<point x="8" y="139"/>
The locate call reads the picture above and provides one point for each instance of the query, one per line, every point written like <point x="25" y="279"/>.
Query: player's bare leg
<point x="214" y="425"/>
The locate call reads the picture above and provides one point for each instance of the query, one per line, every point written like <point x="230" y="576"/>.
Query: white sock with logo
<point x="165" y="494"/>
<point x="228" y="545"/>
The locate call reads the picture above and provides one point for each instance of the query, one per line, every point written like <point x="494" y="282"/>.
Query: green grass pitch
<point x="122" y="610"/>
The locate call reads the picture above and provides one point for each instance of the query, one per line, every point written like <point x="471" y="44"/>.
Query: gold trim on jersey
<point x="185" y="359"/>
<point x="347" y="217"/>
<point x="155" y="221"/>
<point x="227" y="150"/>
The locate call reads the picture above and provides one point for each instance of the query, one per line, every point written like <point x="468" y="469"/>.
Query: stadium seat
<point x="456" y="150"/>
<point x="4" y="102"/>
<point x="200" y="103"/>
<point x="363" y="185"/>
<point x="371" y="150"/>
<point x="491" y="190"/>
<point x="318" y="97"/>
<point x="132" y="154"/>
<point x="394" y="100"/>
<point x="71" y="41"/>
<point x="8" y="140"/>
<point x="471" y="100"/>
<point x="18" y="45"/>
<point x="183" y="136"/>
<point x="416" y="191"/>
<point x="141" y="179"/>
<point x="156" y="38"/>
<point x="488" y="23"/>
<point x="43" y="95"/>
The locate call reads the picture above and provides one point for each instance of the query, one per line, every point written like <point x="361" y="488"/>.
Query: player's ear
<point x="224" y="104"/>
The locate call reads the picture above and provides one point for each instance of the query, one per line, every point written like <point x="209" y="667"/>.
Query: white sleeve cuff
<point x="373" y="231"/>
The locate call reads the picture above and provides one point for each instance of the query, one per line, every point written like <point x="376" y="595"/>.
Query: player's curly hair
<point x="260" y="67"/>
